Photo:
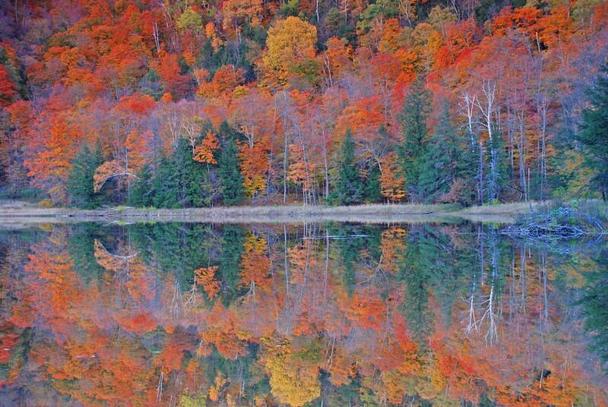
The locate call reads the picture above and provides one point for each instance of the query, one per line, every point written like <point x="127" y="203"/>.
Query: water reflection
<point x="331" y="315"/>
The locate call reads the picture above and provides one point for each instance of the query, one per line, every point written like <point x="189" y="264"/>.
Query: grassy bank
<point x="18" y="212"/>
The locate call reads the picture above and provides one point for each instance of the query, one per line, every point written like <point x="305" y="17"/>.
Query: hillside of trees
<point x="188" y="103"/>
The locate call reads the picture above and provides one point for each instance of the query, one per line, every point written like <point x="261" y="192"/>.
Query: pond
<point x="294" y="315"/>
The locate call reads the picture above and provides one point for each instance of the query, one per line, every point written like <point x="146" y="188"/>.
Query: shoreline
<point x="377" y="213"/>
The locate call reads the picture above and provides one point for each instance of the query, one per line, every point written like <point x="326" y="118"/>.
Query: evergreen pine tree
<point x="141" y="191"/>
<point x="164" y="185"/>
<point x="229" y="170"/>
<point x="594" y="132"/>
<point x="349" y="188"/>
<point x="440" y="164"/>
<point x="371" y="187"/>
<point x="80" y="179"/>
<point x="189" y="176"/>
<point x="179" y="180"/>
<point x="413" y="121"/>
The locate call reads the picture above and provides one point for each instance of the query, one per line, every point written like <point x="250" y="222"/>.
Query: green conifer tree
<point x="442" y="163"/>
<point x="413" y="122"/>
<point x="189" y="176"/>
<point x="229" y="170"/>
<point x="594" y="132"/>
<point x="140" y="193"/>
<point x="80" y="179"/>
<point x="164" y="184"/>
<point x="349" y="188"/>
<point x="371" y="187"/>
<point x="179" y="180"/>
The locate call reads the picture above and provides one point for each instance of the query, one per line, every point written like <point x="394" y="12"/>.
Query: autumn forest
<point x="304" y="203"/>
<point x="190" y="103"/>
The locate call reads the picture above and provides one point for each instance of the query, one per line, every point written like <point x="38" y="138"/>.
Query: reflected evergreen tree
<point x="485" y="401"/>
<point x="175" y="248"/>
<point x="417" y="276"/>
<point x="215" y="364"/>
<point x="345" y="395"/>
<point x="81" y="249"/>
<point x="20" y="352"/>
<point x="233" y="238"/>
<point x="351" y="240"/>
<point x="372" y="234"/>
<point x="447" y="267"/>
<point x="594" y="303"/>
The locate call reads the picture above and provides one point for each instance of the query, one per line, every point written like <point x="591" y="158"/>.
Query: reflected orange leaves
<point x="366" y="310"/>
<point x="392" y="246"/>
<point x="7" y="342"/>
<point x="7" y="87"/>
<point x="136" y="329"/>
<point x="55" y="273"/>
<point x="205" y="277"/>
<point x="217" y="388"/>
<point x="138" y="323"/>
<point x="255" y="264"/>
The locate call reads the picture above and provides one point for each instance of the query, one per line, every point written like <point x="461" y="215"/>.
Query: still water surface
<point x="318" y="315"/>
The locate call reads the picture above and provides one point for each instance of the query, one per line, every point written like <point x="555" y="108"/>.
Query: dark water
<point x="319" y="315"/>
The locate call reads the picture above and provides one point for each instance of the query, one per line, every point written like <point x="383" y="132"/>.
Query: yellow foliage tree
<point x="391" y="181"/>
<point x="291" y="43"/>
<point x="293" y="381"/>
<point x="205" y="277"/>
